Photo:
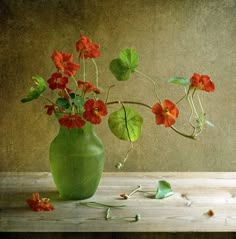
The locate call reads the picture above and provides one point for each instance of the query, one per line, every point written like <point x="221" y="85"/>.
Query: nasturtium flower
<point x="165" y="113"/>
<point x="202" y="82"/>
<point x="57" y="81"/>
<point x="71" y="121"/>
<point x="88" y="87"/>
<point x="86" y="49"/>
<point x="37" y="204"/>
<point x="94" y="110"/>
<point x="63" y="61"/>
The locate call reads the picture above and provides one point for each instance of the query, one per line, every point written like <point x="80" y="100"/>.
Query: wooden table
<point x="185" y="211"/>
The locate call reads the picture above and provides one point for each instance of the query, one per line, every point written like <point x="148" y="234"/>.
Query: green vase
<point x="76" y="160"/>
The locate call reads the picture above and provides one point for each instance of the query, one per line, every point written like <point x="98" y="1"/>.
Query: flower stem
<point x="46" y="98"/>
<point x="96" y="68"/>
<point x="100" y="205"/>
<point x="135" y="190"/>
<point x="84" y="69"/>
<point x="108" y="93"/>
<point x="183" y="134"/>
<point x="185" y="95"/>
<point x="128" y="102"/>
<point x="76" y="84"/>
<point x="153" y="82"/>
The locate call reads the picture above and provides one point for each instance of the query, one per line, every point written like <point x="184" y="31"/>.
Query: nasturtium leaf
<point x="125" y="124"/>
<point x="209" y="123"/>
<point x="35" y="92"/>
<point x="78" y="101"/>
<point x="63" y="103"/>
<point x="179" y="81"/>
<point x="120" y="71"/>
<point x="129" y="58"/>
<point x="163" y="190"/>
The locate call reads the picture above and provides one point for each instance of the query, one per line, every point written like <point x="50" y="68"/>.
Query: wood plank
<point x="185" y="211"/>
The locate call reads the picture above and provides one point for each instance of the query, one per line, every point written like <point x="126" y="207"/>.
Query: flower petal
<point x="101" y="107"/>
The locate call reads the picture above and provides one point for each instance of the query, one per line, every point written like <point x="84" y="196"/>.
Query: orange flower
<point x="202" y="82"/>
<point x="71" y="121"/>
<point x="94" y="110"/>
<point x="63" y="61"/>
<point x="38" y="204"/>
<point x="165" y="113"/>
<point x="86" y="49"/>
<point x="88" y="87"/>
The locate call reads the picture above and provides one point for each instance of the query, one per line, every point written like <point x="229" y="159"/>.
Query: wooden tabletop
<point x="185" y="211"/>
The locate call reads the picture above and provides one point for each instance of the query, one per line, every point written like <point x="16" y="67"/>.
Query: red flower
<point x="165" y="113"/>
<point x="50" y="109"/>
<point x="38" y="204"/>
<point x="202" y="82"/>
<point x="57" y="81"/>
<point x="88" y="87"/>
<point x="63" y="61"/>
<point x="86" y="49"/>
<point x="94" y="110"/>
<point x="71" y="121"/>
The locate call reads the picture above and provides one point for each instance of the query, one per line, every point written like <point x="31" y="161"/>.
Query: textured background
<point x="173" y="38"/>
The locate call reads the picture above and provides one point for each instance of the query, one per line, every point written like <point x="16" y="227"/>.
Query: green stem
<point x="76" y="84"/>
<point x="183" y="134"/>
<point x="200" y="103"/>
<point x="128" y="102"/>
<point x="108" y="93"/>
<point x="151" y="80"/>
<point x="96" y="68"/>
<point x="84" y="70"/>
<point x="46" y="98"/>
<point x="100" y="205"/>
<point x="126" y="123"/>
<point x="192" y="103"/>
<point x="186" y="94"/>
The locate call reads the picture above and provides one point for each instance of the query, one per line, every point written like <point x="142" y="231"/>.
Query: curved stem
<point x="46" y="98"/>
<point x="128" y="102"/>
<point x="96" y="68"/>
<point x="186" y="94"/>
<point x="200" y="103"/>
<point x="153" y="82"/>
<point x="84" y="70"/>
<point x="183" y="134"/>
<point x="76" y="84"/>
<point x="108" y="93"/>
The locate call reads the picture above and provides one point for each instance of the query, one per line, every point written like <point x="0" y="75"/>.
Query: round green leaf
<point x="78" y="101"/>
<point x="163" y="190"/>
<point x="125" y="124"/>
<point x="120" y="71"/>
<point x="129" y="58"/>
<point x="63" y="103"/>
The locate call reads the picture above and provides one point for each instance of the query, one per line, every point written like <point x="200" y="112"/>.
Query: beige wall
<point x="174" y="38"/>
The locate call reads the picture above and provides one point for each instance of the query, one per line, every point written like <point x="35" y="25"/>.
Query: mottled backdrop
<point x="173" y="38"/>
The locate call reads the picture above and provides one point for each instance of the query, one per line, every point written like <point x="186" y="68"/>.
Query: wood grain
<point x="185" y="211"/>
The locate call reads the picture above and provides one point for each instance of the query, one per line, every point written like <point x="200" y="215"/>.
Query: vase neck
<point x="87" y="128"/>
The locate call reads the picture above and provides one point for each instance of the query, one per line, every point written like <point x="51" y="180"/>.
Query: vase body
<point x="76" y="160"/>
